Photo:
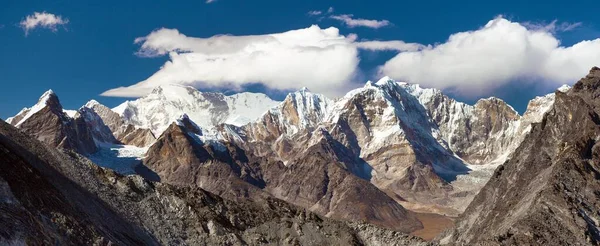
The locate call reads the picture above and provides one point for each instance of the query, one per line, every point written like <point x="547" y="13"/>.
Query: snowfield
<point x="121" y="158"/>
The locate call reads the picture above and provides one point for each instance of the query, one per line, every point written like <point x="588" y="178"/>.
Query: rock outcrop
<point x="547" y="193"/>
<point x="124" y="133"/>
<point x="51" y="197"/>
<point x="318" y="179"/>
<point x="47" y="122"/>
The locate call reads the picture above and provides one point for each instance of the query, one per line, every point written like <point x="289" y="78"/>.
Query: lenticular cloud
<point x="321" y="59"/>
<point x="472" y="63"/>
<point x="477" y="62"/>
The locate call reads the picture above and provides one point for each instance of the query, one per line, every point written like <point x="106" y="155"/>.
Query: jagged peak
<point x="497" y="101"/>
<point x="384" y="80"/>
<point x="304" y="89"/>
<point x="48" y="95"/>
<point x="48" y="99"/>
<point x="564" y="88"/>
<point x="183" y="118"/>
<point x="492" y="99"/>
<point x="92" y="103"/>
<point x="184" y="121"/>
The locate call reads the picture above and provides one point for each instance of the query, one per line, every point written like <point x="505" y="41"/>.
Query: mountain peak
<point x="50" y="99"/>
<point x="47" y="93"/>
<point x="47" y="96"/>
<point x="385" y="80"/>
<point x="304" y="89"/>
<point x="91" y="104"/>
<point x="184" y="121"/>
<point x="564" y="88"/>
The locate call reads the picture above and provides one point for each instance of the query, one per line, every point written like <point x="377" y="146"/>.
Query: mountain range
<point x="180" y="166"/>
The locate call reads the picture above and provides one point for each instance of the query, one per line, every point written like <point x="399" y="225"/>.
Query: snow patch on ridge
<point x="41" y="104"/>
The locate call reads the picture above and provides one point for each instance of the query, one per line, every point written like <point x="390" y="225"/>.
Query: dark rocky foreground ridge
<point x="50" y="197"/>
<point x="549" y="192"/>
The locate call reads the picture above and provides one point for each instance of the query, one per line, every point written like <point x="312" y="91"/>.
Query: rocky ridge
<point x="51" y="197"/>
<point x="556" y="171"/>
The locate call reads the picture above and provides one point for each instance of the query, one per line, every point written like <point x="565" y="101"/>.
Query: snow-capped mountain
<point x="48" y="122"/>
<point x="410" y="141"/>
<point x="415" y="143"/>
<point x="165" y="104"/>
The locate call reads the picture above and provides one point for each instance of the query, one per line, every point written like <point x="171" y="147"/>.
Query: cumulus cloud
<point x="330" y="10"/>
<point x="42" y="20"/>
<point x="320" y="59"/>
<point x="477" y="62"/>
<point x="351" y="22"/>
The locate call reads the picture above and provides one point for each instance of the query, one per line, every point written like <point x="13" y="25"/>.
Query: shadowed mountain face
<point x="316" y="180"/>
<point x="51" y="197"/>
<point x="548" y="192"/>
<point x="363" y="157"/>
<point x="48" y="123"/>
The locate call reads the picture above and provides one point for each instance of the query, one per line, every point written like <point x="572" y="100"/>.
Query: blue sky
<point x="95" y="51"/>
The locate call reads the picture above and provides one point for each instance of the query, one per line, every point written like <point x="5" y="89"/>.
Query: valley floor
<point x="437" y="218"/>
<point x="433" y="225"/>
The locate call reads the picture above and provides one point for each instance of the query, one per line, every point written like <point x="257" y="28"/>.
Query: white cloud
<point x="320" y="59"/>
<point x="210" y="1"/>
<point x="394" y="45"/>
<point x="477" y="62"/>
<point x="330" y="10"/>
<point x="350" y="22"/>
<point x="552" y="27"/>
<point x="314" y="12"/>
<point x="42" y="20"/>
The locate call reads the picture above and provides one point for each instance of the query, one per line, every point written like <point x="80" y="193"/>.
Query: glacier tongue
<point x="121" y="158"/>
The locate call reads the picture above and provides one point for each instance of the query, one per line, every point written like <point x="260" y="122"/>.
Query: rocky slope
<point x="126" y="134"/>
<point x="413" y="143"/>
<point x="353" y="158"/>
<point x="317" y="180"/>
<point x="47" y="122"/>
<point x="50" y="197"/>
<point x="557" y="175"/>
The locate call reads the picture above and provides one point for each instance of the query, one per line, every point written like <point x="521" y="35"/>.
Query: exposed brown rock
<point x="317" y="179"/>
<point x="52" y="126"/>
<point x="140" y="137"/>
<point x="548" y="192"/>
<point x="48" y="197"/>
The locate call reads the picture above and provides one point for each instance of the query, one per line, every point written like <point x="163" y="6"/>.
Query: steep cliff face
<point x="416" y="144"/>
<point x="181" y="156"/>
<point x="124" y="133"/>
<point x="50" y="197"/>
<point x="316" y="179"/>
<point x="547" y="192"/>
<point x="42" y="206"/>
<point x="47" y="122"/>
<point x="387" y="127"/>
